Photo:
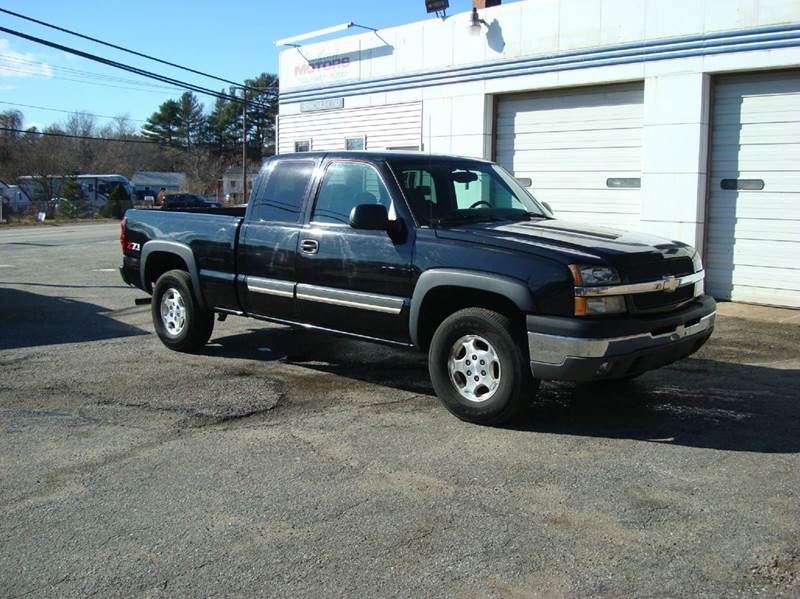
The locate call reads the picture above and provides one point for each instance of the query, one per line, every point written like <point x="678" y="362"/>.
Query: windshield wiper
<point x="466" y="218"/>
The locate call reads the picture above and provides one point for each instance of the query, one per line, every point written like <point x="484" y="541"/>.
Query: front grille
<point x="659" y="301"/>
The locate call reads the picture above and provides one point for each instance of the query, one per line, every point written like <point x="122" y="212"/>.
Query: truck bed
<point x="210" y="233"/>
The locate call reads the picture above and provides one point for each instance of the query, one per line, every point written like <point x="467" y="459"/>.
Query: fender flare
<point x="513" y="289"/>
<point x="182" y="251"/>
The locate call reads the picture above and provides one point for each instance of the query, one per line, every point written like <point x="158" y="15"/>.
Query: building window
<point x="233" y="183"/>
<point x="355" y="143"/>
<point x="630" y="182"/>
<point x="302" y="145"/>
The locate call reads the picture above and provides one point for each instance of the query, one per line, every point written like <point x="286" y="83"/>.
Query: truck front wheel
<point x="479" y="368"/>
<point x="180" y="323"/>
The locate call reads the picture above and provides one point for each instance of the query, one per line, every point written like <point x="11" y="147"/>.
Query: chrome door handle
<point x="309" y="246"/>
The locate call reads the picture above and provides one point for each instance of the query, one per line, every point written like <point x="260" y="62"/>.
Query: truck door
<point x="268" y="239"/>
<point x="358" y="281"/>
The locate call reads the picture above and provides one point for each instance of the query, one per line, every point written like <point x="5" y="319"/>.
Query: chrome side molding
<point x="270" y="286"/>
<point x="351" y="299"/>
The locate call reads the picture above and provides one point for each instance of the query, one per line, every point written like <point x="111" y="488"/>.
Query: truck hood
<point x="570" y="242"/>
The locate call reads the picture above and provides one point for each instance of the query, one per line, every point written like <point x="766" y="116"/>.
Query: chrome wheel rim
<point x="474" y="368"/>
<point x="173" y="312"/>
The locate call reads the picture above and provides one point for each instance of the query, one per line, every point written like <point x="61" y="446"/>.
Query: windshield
<point x="463" y="191"/>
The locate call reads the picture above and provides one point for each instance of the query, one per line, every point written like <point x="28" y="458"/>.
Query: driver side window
<point x="345" y="185"/>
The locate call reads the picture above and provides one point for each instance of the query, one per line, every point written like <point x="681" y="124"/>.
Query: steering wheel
<point x="479" y="202"/>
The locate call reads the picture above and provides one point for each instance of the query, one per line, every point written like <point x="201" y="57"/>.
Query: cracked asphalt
<point x="283" y="463"/>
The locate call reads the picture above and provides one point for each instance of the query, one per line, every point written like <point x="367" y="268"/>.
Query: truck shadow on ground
<point x="694" y="403"/>
<point x="30" y="320"/>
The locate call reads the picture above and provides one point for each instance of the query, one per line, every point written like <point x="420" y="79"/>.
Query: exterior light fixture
<point x="475" y="22"/>
<point x="292" y="41"/>
<point x="437" y="6"/>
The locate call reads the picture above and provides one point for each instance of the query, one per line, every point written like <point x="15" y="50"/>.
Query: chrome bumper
<point x="580" y="358"/>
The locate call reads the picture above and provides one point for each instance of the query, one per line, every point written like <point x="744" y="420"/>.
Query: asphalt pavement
<point x="284" y="463"/>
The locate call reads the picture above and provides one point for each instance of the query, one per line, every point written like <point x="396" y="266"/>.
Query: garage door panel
<point x="605" y="219"/>
<point x="780" y="278"/>
<point x="555" y="141"/>
<point x="587" y="180"/>
<point x="757" y="253"/>
<point x="579" y="159"/>
<point x="776" y="183"/>
<point x="570" y="142"/>
<point x="763" y="156"/>
<point x="754" y="235"/>
<point x="757" y="133"/>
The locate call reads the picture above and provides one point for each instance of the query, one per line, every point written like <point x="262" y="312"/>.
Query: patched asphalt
<point x="285" y="463"/>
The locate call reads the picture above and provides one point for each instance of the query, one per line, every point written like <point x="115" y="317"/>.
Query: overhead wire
<point x="127" y="50"/>
<point x="71" y="136"/>
<point x="102" y="116"/>
<point x="129" y="68"/>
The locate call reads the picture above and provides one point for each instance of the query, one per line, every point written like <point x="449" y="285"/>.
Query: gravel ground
<point x="283" y="463"/>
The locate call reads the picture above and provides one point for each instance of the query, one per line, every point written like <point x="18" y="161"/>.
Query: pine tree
<point x="163" y="126"/>
<point x="190" y="120"/>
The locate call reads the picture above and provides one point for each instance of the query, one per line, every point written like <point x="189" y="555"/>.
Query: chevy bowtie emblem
<point x="670" y="283"/>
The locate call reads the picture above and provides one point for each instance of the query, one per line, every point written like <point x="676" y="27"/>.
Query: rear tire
<point x="479" y="367"/>
<point x="180" y="323"/>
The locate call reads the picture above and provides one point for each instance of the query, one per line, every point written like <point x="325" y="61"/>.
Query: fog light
<point x="591" y="306"/>
<point x="605" y="368"/>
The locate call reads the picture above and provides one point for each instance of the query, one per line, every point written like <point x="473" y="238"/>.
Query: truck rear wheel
<point x="180" y="322"/>
<point x="479" y="368"/>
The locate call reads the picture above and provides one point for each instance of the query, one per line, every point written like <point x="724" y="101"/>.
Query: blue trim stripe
<point x="763" y="38"/>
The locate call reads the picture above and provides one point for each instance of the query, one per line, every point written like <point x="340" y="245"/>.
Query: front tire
<point x="180" y="323"/>
<point x="479" y="367"/>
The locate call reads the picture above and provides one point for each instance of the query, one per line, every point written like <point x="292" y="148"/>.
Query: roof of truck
<point x="379" y="155"/>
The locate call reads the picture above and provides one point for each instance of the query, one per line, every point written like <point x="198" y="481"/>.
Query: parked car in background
<point x="182" y="201"/>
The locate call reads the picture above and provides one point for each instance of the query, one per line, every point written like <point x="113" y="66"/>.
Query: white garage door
<point x="581" y="147"/>
<point x="754" y="211"/>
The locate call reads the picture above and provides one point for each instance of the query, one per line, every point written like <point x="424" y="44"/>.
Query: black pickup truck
<point x="448" y="255"/>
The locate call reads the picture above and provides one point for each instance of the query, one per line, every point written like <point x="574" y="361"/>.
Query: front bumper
<point x="573" y="349"/>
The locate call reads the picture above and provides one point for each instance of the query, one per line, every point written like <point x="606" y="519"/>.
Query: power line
<point x="129" y="51"/>
<point x="18" y="63"/>
<point x="67" y="135"/>
<point x="98" y="83"/>
<point x="129" y="68"/>
<point x="102" y="116"/>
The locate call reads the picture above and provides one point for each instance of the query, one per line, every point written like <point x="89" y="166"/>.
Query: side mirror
<point x="524" y="181"/>
<point x="546" y="205"/>
<point x="373" y="217"/>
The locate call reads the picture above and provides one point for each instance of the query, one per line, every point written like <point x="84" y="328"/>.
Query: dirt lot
<point x="282" y="463"/>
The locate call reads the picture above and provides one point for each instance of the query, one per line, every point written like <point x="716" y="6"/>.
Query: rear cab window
<point x="280" y="196"/>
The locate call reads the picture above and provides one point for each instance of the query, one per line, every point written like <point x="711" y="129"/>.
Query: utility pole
<point x="244" y="144"/>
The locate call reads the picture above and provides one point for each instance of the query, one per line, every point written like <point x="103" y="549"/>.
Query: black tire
<point x="515" y="386"/>
<point x="197" y="323"/>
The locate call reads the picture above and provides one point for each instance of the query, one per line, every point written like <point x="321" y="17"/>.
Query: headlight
<point x="594" y="275"/>
<point x="697" y="262"/>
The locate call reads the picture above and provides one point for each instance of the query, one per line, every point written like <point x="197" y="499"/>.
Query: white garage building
<point x="678" y="117"/>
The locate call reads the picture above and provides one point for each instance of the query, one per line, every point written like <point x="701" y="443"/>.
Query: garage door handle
<point x="309" y="246"/>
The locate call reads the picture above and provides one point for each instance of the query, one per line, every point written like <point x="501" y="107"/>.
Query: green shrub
<point x="118" y="202"/>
